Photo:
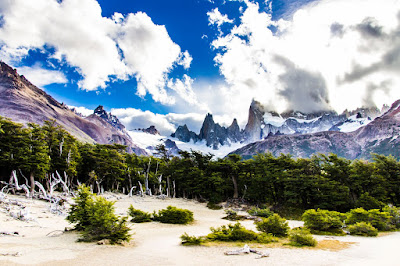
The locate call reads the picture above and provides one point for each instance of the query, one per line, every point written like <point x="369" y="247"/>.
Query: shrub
<point x="382" y="221"/>
<point x="95" y="217"/>
<point x="213" y="206"/>
<point x="104" y="224"/>
<point x="188" y="240"/>
<point x="261" y="212"/>
<point x="357" y="215"/>
<point x="301" y="237"/>
<point x="363" y="229"/>
<point x="231" y="232"/>
<point x="395" y="213"/>
<point x="323" y="221"/>
<point x="368" y="202"/>
<point x="265" y="238"/>
<point x="232" y="215"/>
<point x="79" y="212"/>
<point x="139" y="216"/>
<point x="274" y="225"/>
<point x="174" y="215"/>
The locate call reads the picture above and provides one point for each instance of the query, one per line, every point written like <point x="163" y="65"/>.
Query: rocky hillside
<point x="23" y="102"/>
<point x="379" y="136"/>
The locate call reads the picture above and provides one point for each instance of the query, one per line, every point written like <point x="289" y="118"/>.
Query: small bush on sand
<point x="321" y="221"/>
<point x="363" y="229"/>
<point x="213" y="206"/>
<point x="265" y="238"/>
<point x="174" y="215"/>
<point x="188" y="240"/>
<point x="274" y="225"/>
<point x="95" y="217"/>
<point x="139" y="216"/>
<point x="301" y="237"/>
<point x="381" y="220"/>
<point x="357" y="215"/>
<point x="232" y="232"/>
<point x="261" y="212"/>
<point x="395" y="213"/>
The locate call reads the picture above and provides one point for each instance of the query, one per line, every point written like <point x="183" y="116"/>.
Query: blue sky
<point x="170" y="62"/>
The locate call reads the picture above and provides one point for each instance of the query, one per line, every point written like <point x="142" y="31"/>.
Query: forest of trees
<point x="322" y="181"/>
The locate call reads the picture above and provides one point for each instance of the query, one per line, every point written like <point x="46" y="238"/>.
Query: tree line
<point x="330" y="182"/>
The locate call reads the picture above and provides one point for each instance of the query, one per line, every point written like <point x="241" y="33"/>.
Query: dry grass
<point x="333" y="245"/>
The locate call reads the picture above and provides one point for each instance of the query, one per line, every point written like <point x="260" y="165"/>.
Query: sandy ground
<point x="159" y="244"/>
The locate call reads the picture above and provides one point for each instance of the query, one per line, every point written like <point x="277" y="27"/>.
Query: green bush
<point x="232" y="215"/>
<point x="381" y="220"/>
<point x="363" y="229"/>
<point x="357" y="215"/>
<point x="174" y="215"/>
<point x="188" y="240"/>
<point x="79" y="212"/>
<point x="323" y="221"/>
<point x="265" y="238"/>
<point x="260" y="212"/>
<point x="138" y="216"/>
<point x="368" y="202"/>
<point x="274" y="225"/>
<point x="395" y="213"/>
<point x="213" y="206"/>
<point x="301" y="237"/>
<point x="231" y="232"/>
<point x="95" y="217"/>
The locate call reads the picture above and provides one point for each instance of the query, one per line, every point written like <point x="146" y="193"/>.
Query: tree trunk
<point x="32" y="181"/>
<point x="235" y="188"/>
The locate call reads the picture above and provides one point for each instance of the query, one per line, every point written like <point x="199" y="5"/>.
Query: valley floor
<point x="159" y="244"/>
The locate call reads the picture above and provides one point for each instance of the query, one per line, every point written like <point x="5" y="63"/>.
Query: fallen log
<point x="247" y="250"/>
<point x="15" y="254"/>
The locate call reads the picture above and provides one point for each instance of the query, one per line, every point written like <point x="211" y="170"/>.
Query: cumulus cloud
<point x="166" y="124"/>
<point x="101" y="49"/>
<point x="215" y="17"/>
<point x="42" y="77"/>
<point x="337" y="53"/>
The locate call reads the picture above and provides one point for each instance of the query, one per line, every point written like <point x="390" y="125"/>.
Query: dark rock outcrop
<point x="184" y="134"/>
<point x="151" y="130"/>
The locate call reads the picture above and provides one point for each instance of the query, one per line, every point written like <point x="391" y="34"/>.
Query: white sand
<point x="159" y="244"/>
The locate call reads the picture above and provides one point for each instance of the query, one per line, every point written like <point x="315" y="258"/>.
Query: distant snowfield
<point x="353" y="123"/>
<point x="148" y="142"/>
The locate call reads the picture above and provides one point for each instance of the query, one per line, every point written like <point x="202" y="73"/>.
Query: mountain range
<point x="351" y="134"/>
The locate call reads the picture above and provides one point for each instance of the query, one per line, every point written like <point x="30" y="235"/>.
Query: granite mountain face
<point x="262" y="123"/>
<point x="379" y="136"/>
<point x="23" y="102"/>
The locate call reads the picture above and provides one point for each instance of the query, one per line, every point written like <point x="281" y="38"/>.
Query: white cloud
<point x="215" y="17"/>
<point x="185" y="60"/>
<point x="102" y="49"/>
<point x="328" y="54"/>
<point x="166" y="124"/>
<point x="81" y="110"/>
<point x="42" y="77"/>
